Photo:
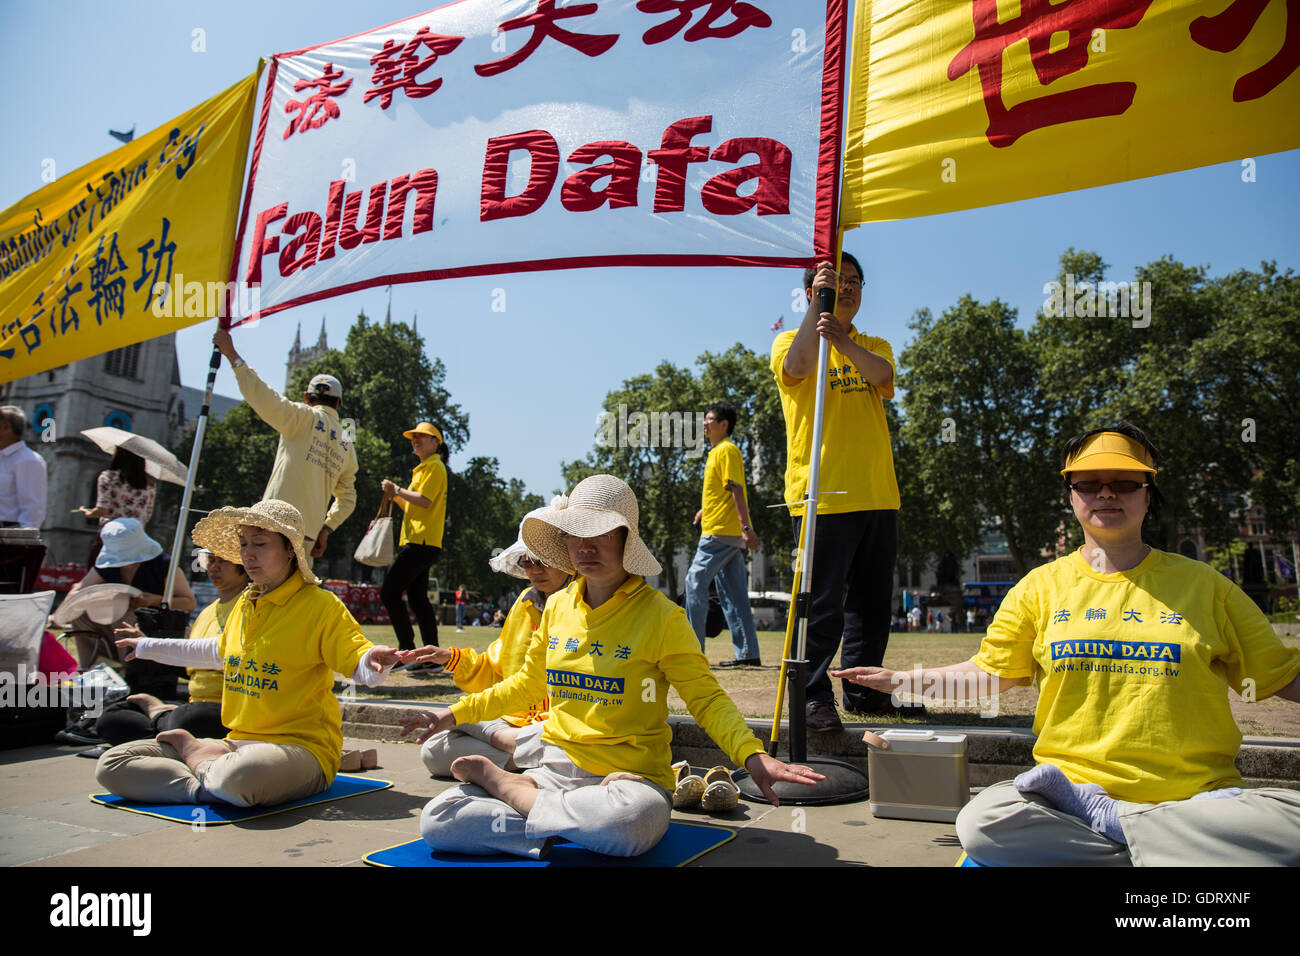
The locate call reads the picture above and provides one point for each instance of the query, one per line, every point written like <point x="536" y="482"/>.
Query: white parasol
<point x="158" y="461"/>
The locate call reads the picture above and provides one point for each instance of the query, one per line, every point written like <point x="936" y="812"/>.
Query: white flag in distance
<point x="497" y="136"/>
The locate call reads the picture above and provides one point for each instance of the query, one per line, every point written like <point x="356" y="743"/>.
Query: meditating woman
<point x="1133" y="650"/>
<point x="473" y="672"/>
<point x="424" y="507"/>
<point x="282" y="643"/>
<point x="608" y="646"/>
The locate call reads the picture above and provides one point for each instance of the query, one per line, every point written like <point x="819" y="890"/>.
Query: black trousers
<point x="852" y="580"/>
<point x="410" y="573"/>
<point x="123" y="722"/>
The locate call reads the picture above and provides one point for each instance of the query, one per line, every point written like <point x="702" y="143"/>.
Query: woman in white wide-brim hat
<point x="608" y="648"/>
<point x="474" y="672"/>
<point x="282" y="643"/>
<point x="128" y="556"/>
<point x="1133" y="651"/>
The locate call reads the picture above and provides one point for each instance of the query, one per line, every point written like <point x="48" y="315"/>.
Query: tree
<point x="483" y="515"/>
<point x="973" y="438"/>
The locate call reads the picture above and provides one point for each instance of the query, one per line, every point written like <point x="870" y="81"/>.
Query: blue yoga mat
<point x="682" y="843"/>
<point x="964" y="861"/>
<point x="214" y="814"/>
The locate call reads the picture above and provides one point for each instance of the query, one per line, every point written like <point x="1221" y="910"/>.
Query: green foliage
<point x="483" y="515"/>
<point x="667" y="478"/>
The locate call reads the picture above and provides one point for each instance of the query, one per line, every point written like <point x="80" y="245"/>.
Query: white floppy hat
<point x="219" y="531"/>
<point x="507" y="561"/>
<point x="596" y="505"/>
<point x="125" y="542"/>
<point x="102" y="603"/>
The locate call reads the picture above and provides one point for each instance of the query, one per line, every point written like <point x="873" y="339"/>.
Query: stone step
<point x="993" y="753"/>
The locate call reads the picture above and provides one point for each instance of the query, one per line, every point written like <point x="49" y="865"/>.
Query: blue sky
<point x="532" y="378"/>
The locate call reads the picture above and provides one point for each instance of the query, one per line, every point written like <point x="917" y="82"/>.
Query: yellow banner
<point x="128" y="247"/>
<point x="963" y="103"/>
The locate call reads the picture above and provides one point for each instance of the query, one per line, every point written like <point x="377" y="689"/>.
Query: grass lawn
<point x="754" y="688"/>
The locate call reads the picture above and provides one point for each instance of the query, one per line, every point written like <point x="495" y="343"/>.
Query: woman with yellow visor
<point x="424" y="507"/>
<point x="1133" y="650"/>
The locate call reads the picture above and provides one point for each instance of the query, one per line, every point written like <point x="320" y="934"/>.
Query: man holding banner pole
<point x="314" y="460"/>
<point x="857" y="512"/>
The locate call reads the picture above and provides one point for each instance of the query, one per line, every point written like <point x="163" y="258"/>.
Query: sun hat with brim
<point x="102" y="603"/>
<point x="1111" y="451"/>
<point x="596" y="505"/>
<point x="508" y="561"/>
<point x="219" y="531"/>
<point x="125" y="543"/>
<point x="424" y="428"/>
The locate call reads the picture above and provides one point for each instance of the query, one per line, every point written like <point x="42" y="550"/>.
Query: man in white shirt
<point x="22" y="474"/>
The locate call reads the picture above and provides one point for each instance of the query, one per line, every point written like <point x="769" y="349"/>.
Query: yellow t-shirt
<point x="280" y="656"/>
<point x="1134" y="670"/>
<point x="608" y="670"/>
<point x="504" y="658"/>
<point x="205" y="685"/>
<point x="424" y="525"/>
<point x="858" y="459"/>
<point x="724" y="464"/>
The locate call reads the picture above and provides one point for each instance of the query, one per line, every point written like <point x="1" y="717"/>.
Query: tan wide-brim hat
<point x="596" y="505"/>
<point x="507" y="561"/>
<point x="219" y="531"/>
<point x="1111" y="451"/>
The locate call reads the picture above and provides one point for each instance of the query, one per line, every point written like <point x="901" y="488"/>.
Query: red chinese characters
<point x="543" y="21"/>
<point x="1037" y="22"/>
<point x="743" y="16"/>
<point x="397" y="67"/>
<point x="319" y="108"/>
<point x="1226" y="31"/>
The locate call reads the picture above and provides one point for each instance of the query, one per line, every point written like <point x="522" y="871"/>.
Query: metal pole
<point x="179" y="542"/>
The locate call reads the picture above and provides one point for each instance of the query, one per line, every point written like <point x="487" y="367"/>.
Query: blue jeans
<point x="460" y="615"/>
<point x="716" y="560"/>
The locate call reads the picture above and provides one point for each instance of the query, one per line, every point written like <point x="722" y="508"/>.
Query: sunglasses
<point x="529" y="564"/>
<point x="1125" y="487"/>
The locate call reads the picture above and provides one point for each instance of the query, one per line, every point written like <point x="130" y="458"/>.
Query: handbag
<point x="376" y="547"/>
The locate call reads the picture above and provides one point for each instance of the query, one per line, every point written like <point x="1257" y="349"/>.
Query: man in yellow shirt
<point x="314" y="460"/>
<point x="724" y="535"/>
<point x="857" y="508"/>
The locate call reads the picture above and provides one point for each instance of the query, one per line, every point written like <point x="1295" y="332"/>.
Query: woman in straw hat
<point x="424" y="512"/>
<point x="472" y="672"/>
<point x="283" y="641"/>
<point x="1133" y="650"/>
<point x="608" y="647"/>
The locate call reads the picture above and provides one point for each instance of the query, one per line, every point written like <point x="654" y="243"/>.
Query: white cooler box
<point x="917" y="775"/>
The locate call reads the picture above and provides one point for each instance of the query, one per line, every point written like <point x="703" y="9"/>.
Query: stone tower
<point x="299" y="356"/>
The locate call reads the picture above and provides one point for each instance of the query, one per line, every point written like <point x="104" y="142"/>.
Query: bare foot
<point x="515" y="790"/>
<point x="192" y="750"/>
<point x="504" y="739"/>
<point x="620" y="775"/>
<point x="150" y="704"/>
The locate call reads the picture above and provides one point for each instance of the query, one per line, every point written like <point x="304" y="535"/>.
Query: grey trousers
<point x="466" y="740"/>
<point x="623" y="818"/>
<point x="1004" y="827"/>
<point x="254" y="774"/>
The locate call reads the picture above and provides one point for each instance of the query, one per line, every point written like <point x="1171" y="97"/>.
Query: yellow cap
<point x="1110" y="451"/>
<point x="424" y="428"/>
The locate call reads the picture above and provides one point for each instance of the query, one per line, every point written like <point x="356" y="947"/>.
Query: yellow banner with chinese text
<point x="131" y="246"/>
<point x="962" y="103"/>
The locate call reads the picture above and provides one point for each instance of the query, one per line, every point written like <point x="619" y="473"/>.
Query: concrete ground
<point x="46" y="819"/>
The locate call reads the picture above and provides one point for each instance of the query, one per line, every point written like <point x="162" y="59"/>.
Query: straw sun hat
<point x="219" y="531"/>
<point x="596" y="505"/>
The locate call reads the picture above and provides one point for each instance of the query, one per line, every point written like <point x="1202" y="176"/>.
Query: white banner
<point x="494" y="136"/>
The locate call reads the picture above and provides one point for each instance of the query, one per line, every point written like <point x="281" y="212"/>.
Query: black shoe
<point x="738" y="662"/>
<point x="78" y="736"/>
<point x="822" y="717"/>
